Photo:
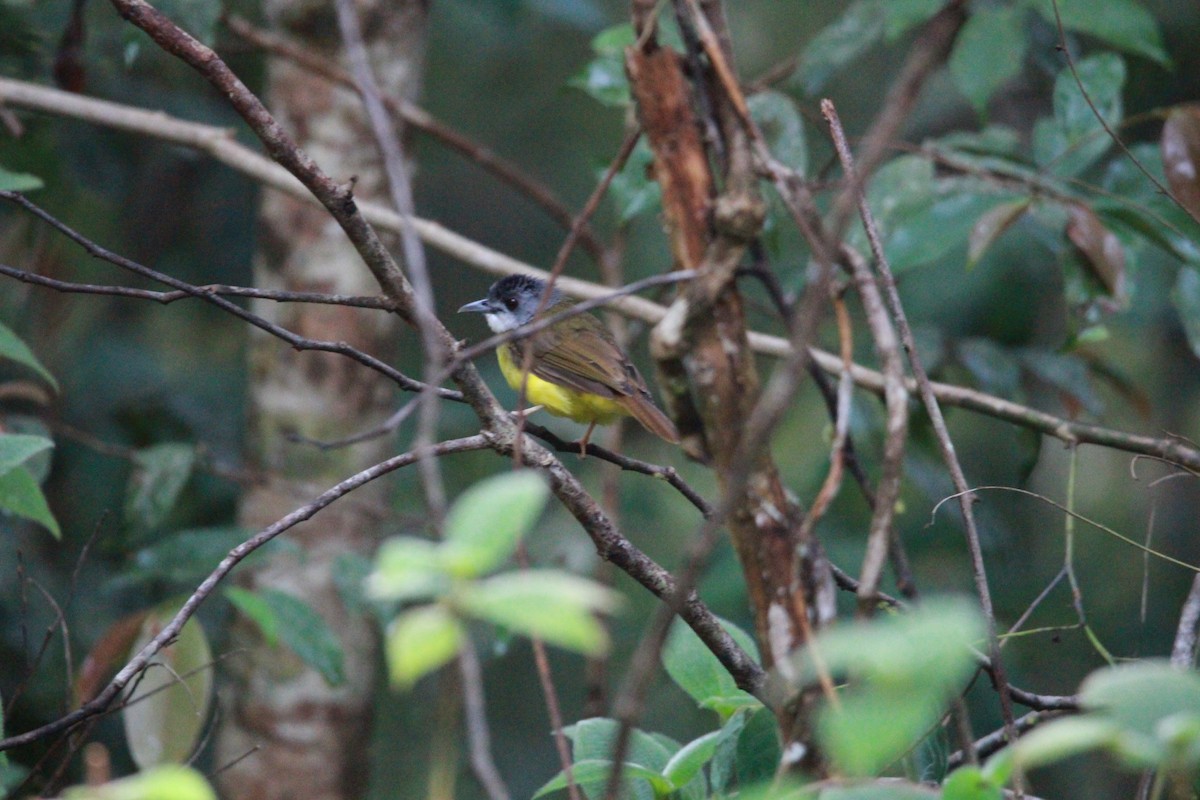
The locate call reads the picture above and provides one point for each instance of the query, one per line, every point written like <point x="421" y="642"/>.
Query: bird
<point x="576" y="370"/>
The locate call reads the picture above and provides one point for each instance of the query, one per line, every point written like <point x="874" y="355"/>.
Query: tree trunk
<point x="304" y="737"/>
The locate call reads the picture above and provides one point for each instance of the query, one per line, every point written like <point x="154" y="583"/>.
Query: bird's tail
<point x="642" y="408"/>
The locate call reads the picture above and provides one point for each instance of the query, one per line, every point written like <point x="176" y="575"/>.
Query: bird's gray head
<point x="511" y="302"/>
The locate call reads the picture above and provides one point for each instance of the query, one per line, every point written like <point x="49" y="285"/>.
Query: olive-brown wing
<point x="581" y="354"/>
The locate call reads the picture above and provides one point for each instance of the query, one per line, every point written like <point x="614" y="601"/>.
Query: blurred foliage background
<point x="136" y="374"/>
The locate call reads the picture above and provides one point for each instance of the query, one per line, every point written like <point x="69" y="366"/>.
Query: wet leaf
<point x="1180" y="146"/>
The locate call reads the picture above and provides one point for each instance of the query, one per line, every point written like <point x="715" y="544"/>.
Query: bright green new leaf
<point x="486" y="522"/>
<point x="876" y="726"/>
<point x="593" y="775"/>
<point x="407" y="568"/>
<point x="969" y="783"/>
<point x="12" y="348"/>
<point x="165" y="782"/>
<point x="988" y="52"/>
<point x="691" y="758"/>
<point x="554" y="606"/>
<point x="698" y="672"/>
<point x="892" y="790"/>
<point x="1124" y="24"/>
<point x="604" y="76"/>
<point x="421" y="640"/>
<point x="17" y="448"/>
<point x="158" y="478"/>
<point x="593" y="739"/>
<point x="21" y="496"/>
<point x="782" y="126"/>
<point x="166" y="712"/>
<point x="1141" y="695"/>
<point x="1074" y="139"/>
<point x="253" y="606"/>
<point x="19" y="181"/>
<point x="1063" y="738"/>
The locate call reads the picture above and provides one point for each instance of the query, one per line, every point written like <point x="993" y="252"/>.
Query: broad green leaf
<point x="969" y="783"/>
<point x="21" y="496"/>
<point x="698" y="672"/>
<point x="167" y="709"/>
<point x="891" y="790"/>
<point x="855" y="32"/>
<point x="159" y="475"/>
<point x="901" y="15"/>
<point x="593" y="739"/>
<point x="1063" y="738"/>
<point x="486" y="522"/>
<point x="876" y="725"/>
<point x="19" y="181"/>
<point x="633" y="191"/>
<point x="783" y="128"/>
<point x="1074" y="139"/>
<point x="604" y="76"/>
<point x="253" y="606"/>
<point x="164" y="782"/>
<point x="350" y="571"/>
<point x="1124" y="24"/>
<point x="197" y="17"/>
<point x="554" y="606"/>
<point x="186" y="556"/>
<point x="723" y="766"/>
<point x="758" y="749"/>
<point x="407" y="568"/>
<point x="1141" y="695"/>
<point x="691" y="758"/>
<point x="1180" y="144"/>
<point x="594" y="774"/>
<point x="421" y="640"/>
<point x="1067" y="373"/>
<point x="301" y="629"/>
<point x="17" y="448"/>
<point x="990" y="226"/>
<point x="13" y="349"/>
<point x="1185" y="296"/>
<point x="994" y="368"/>
<point x="989" y="51"/>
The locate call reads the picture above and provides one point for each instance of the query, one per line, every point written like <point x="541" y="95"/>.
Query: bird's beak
<point x="479" y="306"/>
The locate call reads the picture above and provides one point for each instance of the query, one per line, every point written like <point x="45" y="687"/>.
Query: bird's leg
<point x="583" y="443"/>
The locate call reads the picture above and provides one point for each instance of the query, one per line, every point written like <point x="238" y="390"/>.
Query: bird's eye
<point x="510" y="303"/>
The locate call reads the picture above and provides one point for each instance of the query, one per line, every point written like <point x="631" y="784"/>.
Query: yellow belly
<point x="559" y="400"/>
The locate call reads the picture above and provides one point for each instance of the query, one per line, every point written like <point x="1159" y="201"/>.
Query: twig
<point x="422" y="120"/>
<point x="475" y="715"/>
<point x="387" y="138"/>
<point x="1183" y="651"/>
<point x="296" y="341"/>
<point x="141" y="659"/>
<point x="999" y="739"/>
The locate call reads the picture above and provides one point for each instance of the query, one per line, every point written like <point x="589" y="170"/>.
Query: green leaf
<point x="855" y="32"/>
<point x="167" y="709"/>
<point x="257" y="610"/>
<point x="554" y="606"/>
<point x="892" y="790"/>
<point x="486" y="522"/>
<point x="21" y="496"/>
<point x="1074" y="139"/>
<point x="994" y="368"/>
<point x="302" y="630"/>
<point x="723" y="766"/>
<point x="603" y="78"/>
<point x="159" y="475"/>
<point x="699" y="673"/>
<point x="187" y="556"/>
<point x="969" y="783"/>
<point x="407" y="568"/>
<point x="350" y="571"/>
<point x="989" y="51"/>
<point x="990" y="226"/>
<point x="1141" y="695"/>
<point x="594" y="773"/>
<point x="421" y="640"/>
<point x="17" y="448"/>
<point x="633" y="192"/>
<point x="877" y="725"/>
<point x="164" y="782"/>
<point x="782" y="126"/>
<point x="12" y="348"/>
<point x="691" y="758"/>
<point x="758" y="749"/>
<point x="1185" y="296"/>
<point x="1062" y="738"/>
<point x="1066" y="373"/>
<point x="593" y="739"/>
<point x="1124" y="24"/>
<point x="901" y="15"/>
<point x="19" y="181"/>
